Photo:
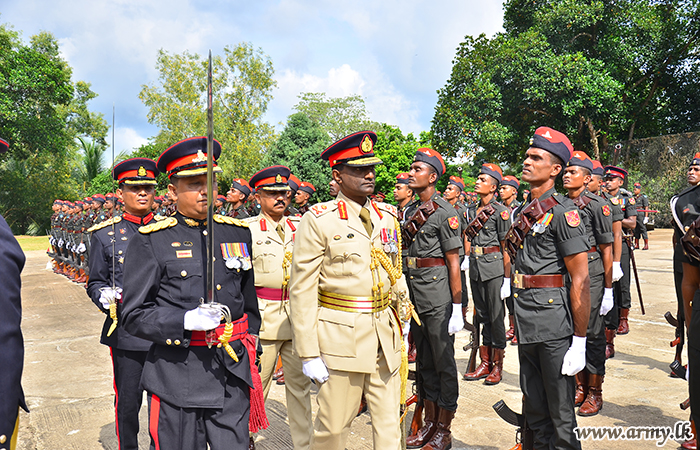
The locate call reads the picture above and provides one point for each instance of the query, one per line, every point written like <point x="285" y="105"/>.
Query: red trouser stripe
<point x="154" y="413"/>
<point x="116" y="398"/>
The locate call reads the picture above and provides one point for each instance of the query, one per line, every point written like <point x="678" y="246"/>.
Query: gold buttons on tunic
<point x="120" y="252"/>
<point x="551" y="301"/>
<point x="204" y="232"/>
<point x="218" y="287"/>
<point x="3" y="439"/>
<point x="168" y="341"/>
<point x="411" y="276"/>
<point x="183" y="273"/>
<point x="434" y="278"/>
<point x="515" y="295"/>
<point x="177" y="341"/>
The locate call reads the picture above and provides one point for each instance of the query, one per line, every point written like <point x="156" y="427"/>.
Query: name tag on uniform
<point x="184" y="253"/>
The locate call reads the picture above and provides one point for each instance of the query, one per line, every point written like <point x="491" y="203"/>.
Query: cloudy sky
<point x="396" y="54"/>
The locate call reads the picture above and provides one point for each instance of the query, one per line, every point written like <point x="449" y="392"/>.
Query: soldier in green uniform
<point x="454" y="188"/>
<point x="596" y="214"/>
<point x="403" y="195"/>
<point x="546" y="243"/>
<point x="508" y="192"/>
<point x="432" y="234"/>
<point x="303" y="195"/>
<point x="614" y="179"/>
<point x="489" y="272"/>
<point x="236" y="197"/>
<point x="640" y="231"/>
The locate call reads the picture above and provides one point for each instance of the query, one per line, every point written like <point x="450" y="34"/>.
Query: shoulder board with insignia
<point x="157" y="226"/>
<point x="230" y="221"/>
<point x="391" y="209"/>
<point x="107" y="222"/>
<point x="320" y="209"/>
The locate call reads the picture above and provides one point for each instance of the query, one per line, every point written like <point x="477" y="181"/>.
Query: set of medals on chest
<point x="388" y="237"/>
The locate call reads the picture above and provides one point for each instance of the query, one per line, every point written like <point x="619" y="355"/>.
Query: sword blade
<point x="210" y="186"/>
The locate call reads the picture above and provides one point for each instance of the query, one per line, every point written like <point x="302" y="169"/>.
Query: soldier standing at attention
<point x="596" y="214"/>
<point x="614" y="179"/>
<point x="273" y="241"/>
<point x="454" y="188"/>
<point x="346" y="270"/>
<point x="197" y="395"/>
<point x="110" y="238"/>
<point x="236" y="197"/>
<point x="508" y="192"/>
<point x="547" y="242"/>
<point x="402" y="194"/>
<point x="640" y="231"/>
<point x="432" y="235"/>
<point x="303" y="195"/>
<point x="333" y="188"/>
<point x="489" y="272"/>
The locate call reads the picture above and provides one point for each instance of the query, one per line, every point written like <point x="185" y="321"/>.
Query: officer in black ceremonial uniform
<point x="197" y="394"/>
<point x="137" y="180"/>
<point x="617" y="317"/>
<point x="547" y="241"/>
<point x="432" y="234"/>
<point x="596" y="214"/>
<point x="12" y="348"/>
<point x="489" y="272"/>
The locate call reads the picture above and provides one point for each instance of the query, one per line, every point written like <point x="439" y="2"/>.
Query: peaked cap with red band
<point x="510" y="180"/>
<point x="457" y="181"/>
<point x="136" y="171"/>
<point x="273" y="178"/>
<point x="613" y="171"/>
<point x="402" y="178"/>
<point x="355" y="150"/>
<point x="598" y="168"/>
<point x="554" y="142"/>
<point x="430" y="156"/>
<point x="4" y="145"/>
<point x="638" y="185"/>
<point x="696" y="160"/>
<point x="307" y="187"/>
<point x="294" y="182"/>
<point x="188" y="158"/>
<point x="241" y="185"/>
<point x="492" y="170"/>
<point x="581" y="159"/>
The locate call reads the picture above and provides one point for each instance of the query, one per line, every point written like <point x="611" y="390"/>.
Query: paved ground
<point x="68" y="376"/>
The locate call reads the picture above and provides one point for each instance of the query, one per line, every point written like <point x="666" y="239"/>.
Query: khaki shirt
<point x="268" y="263"/>
<point x="333" y="254"/>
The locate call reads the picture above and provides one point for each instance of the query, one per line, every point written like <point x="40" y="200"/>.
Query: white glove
<point x="607" y="304"/>
<point x="617" y="271"/>
<point x="465" y="264"/>
<point x="575" y="358"/>
<point x="505" y="289"/>
<point x="645" y="221"/>
<point x="687" y="373"/>
<point x="456" y="320"/>
<point x="81" y="247"/>
<point x="405" y="328"/>
<point x="60" y="242"/>
<point x="315" y="369"/>
<point x="109" y="295"/>
<point x="202" y="319"/>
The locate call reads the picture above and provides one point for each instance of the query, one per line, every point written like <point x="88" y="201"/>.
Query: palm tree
<point x="91" y="159"/>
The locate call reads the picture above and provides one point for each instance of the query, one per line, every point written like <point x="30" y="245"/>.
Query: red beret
<point x="554" y="142"/>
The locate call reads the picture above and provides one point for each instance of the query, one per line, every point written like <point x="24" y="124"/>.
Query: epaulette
<point x="230" y="221"/>
<point x="391" y="209"/>
<point x="107" y="222"/>
<point x="157" y="226"/>
<point x="320" y="209"/>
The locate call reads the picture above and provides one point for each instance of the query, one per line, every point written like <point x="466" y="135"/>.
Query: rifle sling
<point x="528" y="216"/>
<point x="481" y="218"/>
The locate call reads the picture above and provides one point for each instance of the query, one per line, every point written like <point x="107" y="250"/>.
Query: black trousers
<point x="549" y="395"/>
<point x="465" y="291"/>
<point x="127" y="366"/>
<point x="435" y="357"/>
<point x="490" y="310"/>
<point x="694" y="360"/>
<point x="595" y="334"/>
<point x="174" y="428"/>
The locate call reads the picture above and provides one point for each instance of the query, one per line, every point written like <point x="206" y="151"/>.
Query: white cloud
<point x="127" y="140"/>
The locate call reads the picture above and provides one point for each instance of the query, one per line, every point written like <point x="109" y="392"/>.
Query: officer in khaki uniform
<point x="346" y="272"/>
<point x="273" y="240"/>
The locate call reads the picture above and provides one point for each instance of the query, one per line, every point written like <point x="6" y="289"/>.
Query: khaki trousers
<point x="297" y="387"/>
<point x="339" y="400"/>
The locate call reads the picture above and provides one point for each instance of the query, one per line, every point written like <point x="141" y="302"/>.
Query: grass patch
<point x="31" y="243"/>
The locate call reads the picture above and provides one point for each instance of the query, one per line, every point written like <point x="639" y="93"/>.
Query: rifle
<point x="524" y="434"/>
<point x="636" y="276"/>
<point x="473" y="329"/>
<point x="679" y="325"/>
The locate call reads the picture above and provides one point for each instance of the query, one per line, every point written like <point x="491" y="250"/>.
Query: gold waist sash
<point x="350" y="303"/>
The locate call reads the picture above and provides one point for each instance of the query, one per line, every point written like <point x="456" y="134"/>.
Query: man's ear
<point x="119" y="193"/>
<point x="172" y="189"/>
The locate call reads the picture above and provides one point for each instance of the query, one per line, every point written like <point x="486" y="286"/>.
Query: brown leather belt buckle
<point x="476" y="250"/>
<point x="411" y="262"/>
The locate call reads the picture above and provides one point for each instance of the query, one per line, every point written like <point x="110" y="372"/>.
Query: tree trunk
<point x="594" y="138"/>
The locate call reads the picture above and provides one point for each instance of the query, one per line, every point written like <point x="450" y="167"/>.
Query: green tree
<point x="599" y="70"/>
<point x="242" y="87"/>
<point x="91" y="153"/>
<point x="338" y="116"/>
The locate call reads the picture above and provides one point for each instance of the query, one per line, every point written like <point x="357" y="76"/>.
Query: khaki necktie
<point x="280" y="231"/>
<point x="366" y="221"/>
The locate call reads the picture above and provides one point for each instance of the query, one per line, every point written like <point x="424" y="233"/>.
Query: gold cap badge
<point x="201" y="157"/>
<point x="142" y="171"/>
<point x="278" y="178"/>
<point x="366" y="145"/>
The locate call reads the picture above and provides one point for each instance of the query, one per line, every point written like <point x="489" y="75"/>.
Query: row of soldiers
<point x="336" y="290"/>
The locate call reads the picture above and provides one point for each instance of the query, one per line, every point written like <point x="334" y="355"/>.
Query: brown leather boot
<point x="609" y="343"/>
<point x="279" y="371"/>
<point x="494" y="377"/>
<point x="426" y="432"/>
<point x="624" y="326"/>
<point x="251" y="443"/>
<point x="442" y="439"/>
<point x="510" y="332"/>
<point x="646" y="244"/>
<point x="484" y="369"/>
<point x="594" y="400"/>
<point x="691" y="444"/>
<point x="412" y="352"/>
<point x="417" y="422"/>
<point x="280" y="380"/>
<point x="581" y="387"/>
